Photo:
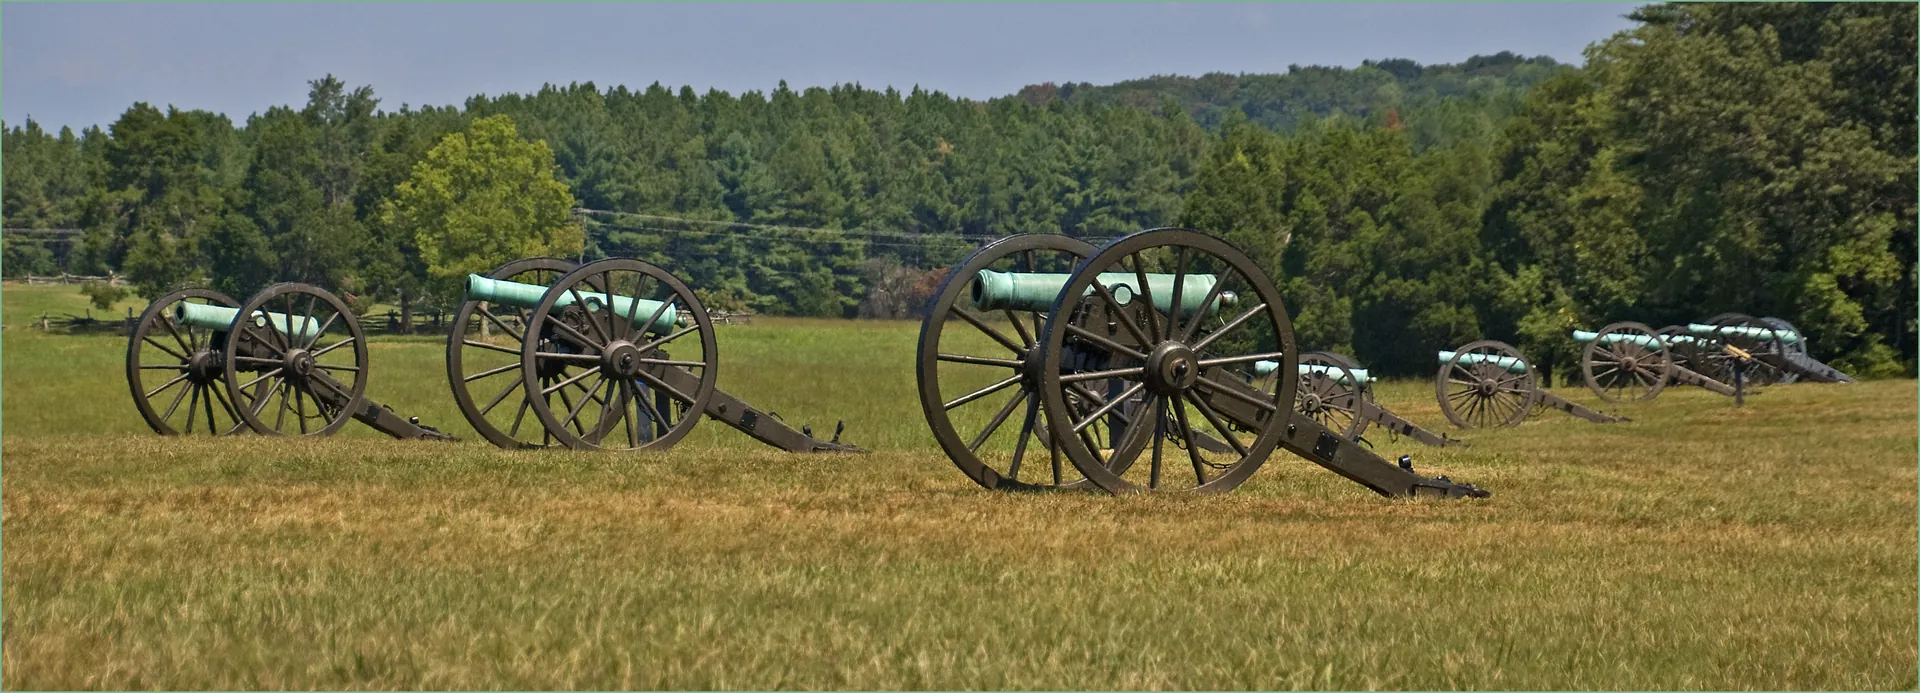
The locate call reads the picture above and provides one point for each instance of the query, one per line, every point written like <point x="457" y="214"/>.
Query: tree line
<point x="1754" y="158"/>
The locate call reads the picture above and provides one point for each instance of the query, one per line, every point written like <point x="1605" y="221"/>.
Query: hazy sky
<point x="84" y="63"/>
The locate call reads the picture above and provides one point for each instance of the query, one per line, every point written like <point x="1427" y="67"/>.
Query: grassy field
<point x="1696" y="547"/>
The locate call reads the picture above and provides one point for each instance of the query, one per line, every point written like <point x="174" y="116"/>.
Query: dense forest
<point x="1757" y="158"/>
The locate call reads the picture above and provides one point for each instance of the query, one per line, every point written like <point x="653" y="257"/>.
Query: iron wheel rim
<point x="1246" y="458"/>
<point x="1608" y="367"/>
<point x="190" y="357"/>
<point x="601" y="337"/>
<point x="1466" y="397"/>
<point x="293" y="387"/>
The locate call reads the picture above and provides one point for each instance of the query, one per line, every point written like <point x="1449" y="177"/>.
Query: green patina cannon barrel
<point x="1265" y="368"/>
<point x="1510" y="363"/>
<point x="1583" y="336"/>
<point x="527" y="297"/>
<point x="1031" y="291"/>
<point x="1766" y="333"/>
<point x="219" y="318"/>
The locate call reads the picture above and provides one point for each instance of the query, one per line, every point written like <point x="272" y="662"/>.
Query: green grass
<point x="1696" y="547"/>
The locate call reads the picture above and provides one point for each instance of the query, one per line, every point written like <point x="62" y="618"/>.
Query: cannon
<point x="613" y="354"/>
<point x="1629" y="361"/>
<point x="1338" y="393"/>
<point x="1779" y="347"/>
<point x="1107" y="357"/>
<point x="1733" y="356"/>
<point x="1489" y="384"/>
<point x="292" y="349"/>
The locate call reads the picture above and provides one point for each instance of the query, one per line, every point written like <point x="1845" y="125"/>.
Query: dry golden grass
<point x="1697" y="547"/>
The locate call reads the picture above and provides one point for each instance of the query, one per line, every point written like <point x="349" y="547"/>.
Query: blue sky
<point x="84" y="63"/>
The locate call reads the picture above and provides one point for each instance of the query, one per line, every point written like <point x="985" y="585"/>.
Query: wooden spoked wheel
<point x="1487" y="384"/>
<point x="483" y="359"/>
<point x="296" y="361"/>
<point x="1626" y="361"/>
<point x="1177" y="360"/>
<point x="1791" y="348"/>
<point x="174" y="369"/>
<point x="969" y="354"/>
<point x="1330" y="393"/>
<point x="641" y="356"/>
<point x="1739" y="331"/>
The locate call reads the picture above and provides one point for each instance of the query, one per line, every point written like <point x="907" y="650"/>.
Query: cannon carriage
<point x="1336" y="391"/>
<point x="1732" y="355"/>
<point x="1112" y="355"/>
<point x="614" y="354"/>
<point x="1489" y="384"/>
<point x="292" y="350"/>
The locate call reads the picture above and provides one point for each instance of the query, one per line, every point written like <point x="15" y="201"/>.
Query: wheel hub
<point x="1172" y="368"/>
<point x="1310" y="403"/>
<point x="298" y="362"/>
<point x="622" y="359"/>
<point x="204" y="366"/>
<point x="1487" y="387"/>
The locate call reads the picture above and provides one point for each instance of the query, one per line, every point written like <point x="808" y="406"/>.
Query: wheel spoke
<point x="1026" y="338"/>
<point x="497" y="399"/>
<point x="484" y="345"/>
<point x="576" y="335"/>
<point x="1186" y="432"/>
<point x="581" y="301"/>
<point x="176" y="403"/>
<point x="977" y="394"/>
<point x="1026" y="429"/>
<point x="657" y="312"/>
<point x="998" y="419"/>
<point x="574" y="414"/>
<point x="1229" y="327"/>
<point x="331" y="347"/>
<point x="1237" y="394"/>
<point x="163" y="386"/>
<point x="981" y="325"/>
<point x="1213" y="419"/>
<point x="1200" y="314"/>
<point x="170" y="352"/>
<point x="1173" y="302"/>
<point x="1234" y="360"/>
<point x="566" y="357"/>
<point x="655" y="344"/>
<point x="1125" y="322"/>
<point x="490" y="372"/>
<point x="1106" y="343"/>
<point x="1135" y="371"/>
<point x="1146" y="295"/>
<point x="1159" y="437"/>
<point x="583" y="375"/>
<point x="504" y="327"/>
<point x="978" y="360"/>
<point x="670" y="362"/>
<point x="1081" y="425"/>
<point x="322" y="332"/>
<point x="664" y="387"/>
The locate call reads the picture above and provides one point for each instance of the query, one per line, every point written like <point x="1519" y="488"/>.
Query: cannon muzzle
<point x="1032" y="291"/>
<point x="220" y="318"/>
<point x="1513" y="365"/>
<point x="527" y="297"/>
